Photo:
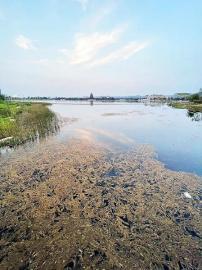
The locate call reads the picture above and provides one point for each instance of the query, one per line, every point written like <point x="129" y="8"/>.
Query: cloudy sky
<point x="109" y="47"/>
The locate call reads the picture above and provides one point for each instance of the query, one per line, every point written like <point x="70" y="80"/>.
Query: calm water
<point x="177" y="138"/>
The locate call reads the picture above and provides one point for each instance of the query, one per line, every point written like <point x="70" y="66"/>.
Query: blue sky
<point x="110" y="47"/>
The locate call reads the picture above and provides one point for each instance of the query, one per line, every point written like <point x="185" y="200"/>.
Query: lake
<point x="175" y="135"/>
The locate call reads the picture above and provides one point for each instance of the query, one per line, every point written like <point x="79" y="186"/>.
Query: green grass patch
<point x="194" y="107"/>
<point x="25" y="121"/>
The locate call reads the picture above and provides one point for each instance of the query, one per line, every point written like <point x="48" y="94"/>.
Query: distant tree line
<point x="197" y="97"/>
<point x="2" y="97"/>
<point x="72" y="98"/>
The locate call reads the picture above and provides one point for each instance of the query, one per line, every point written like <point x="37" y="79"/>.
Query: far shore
<point x="191" y="106"/>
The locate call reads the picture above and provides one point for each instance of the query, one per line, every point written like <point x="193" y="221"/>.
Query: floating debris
<point x="6" y="139"/>
<point x="187" y="195"/>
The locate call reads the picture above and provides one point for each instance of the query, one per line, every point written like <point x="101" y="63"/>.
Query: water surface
<point x="175" y="134"/>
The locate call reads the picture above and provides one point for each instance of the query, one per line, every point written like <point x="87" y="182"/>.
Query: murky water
<point x="175" y="134"/>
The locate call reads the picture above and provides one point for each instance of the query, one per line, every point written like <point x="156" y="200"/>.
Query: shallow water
<point x="176" y="137"/>
<point x="78" y="204"/>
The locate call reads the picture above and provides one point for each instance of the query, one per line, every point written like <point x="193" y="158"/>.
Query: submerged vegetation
<point x="86" y="207"/>
<point x="21" y="121"/>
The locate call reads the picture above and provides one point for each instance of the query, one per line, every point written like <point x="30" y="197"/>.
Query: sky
<point x="108" y="47"/>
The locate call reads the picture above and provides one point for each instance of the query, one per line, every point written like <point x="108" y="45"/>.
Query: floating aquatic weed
<point x="58" y="210"/>
<point x="112" y="173"/>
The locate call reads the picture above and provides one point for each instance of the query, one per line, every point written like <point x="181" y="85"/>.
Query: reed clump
<point x="20" y="122"/>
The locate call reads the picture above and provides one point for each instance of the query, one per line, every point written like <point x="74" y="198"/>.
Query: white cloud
<point x="25" y="43"/>
<point x="121" y="54"/>
<point x="88" y="45"/>
<point x="64" y="51"/>
<point x="83" y="3"/>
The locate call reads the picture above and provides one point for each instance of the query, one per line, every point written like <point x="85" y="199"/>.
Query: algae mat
<point x="85" y="206"/>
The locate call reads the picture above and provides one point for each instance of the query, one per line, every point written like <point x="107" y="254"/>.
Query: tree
<point x="194" y="97"/>
<point x="2" y="97"/>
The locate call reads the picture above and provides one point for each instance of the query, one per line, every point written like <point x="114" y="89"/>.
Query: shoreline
<point x="190" y="106"/>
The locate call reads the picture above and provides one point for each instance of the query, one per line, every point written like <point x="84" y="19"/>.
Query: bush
<point x="194" y="97"/>
<point x="197" y="97"/>
<point x="2" y="97"/>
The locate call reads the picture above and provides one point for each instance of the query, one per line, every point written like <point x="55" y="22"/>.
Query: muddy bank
<point x="86" y="207"/>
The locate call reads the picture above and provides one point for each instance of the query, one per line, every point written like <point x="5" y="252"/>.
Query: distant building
<point x="91" y="96"/>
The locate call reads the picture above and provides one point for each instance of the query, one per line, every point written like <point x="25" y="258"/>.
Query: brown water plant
<point x="87" y="207"/>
